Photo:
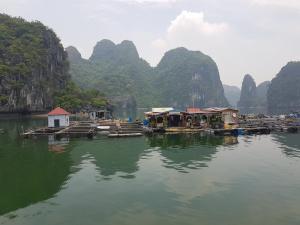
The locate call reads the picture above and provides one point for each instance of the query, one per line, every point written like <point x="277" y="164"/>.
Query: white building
<point x="58" y="118"/>
<point x="99" y="114"/>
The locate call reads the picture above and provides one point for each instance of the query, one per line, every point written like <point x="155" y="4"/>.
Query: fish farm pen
<point x="212" y="121"/>
<point x="117" y="128"/>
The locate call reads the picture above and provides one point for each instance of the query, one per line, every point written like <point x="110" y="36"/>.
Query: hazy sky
<point x="243" y="36"/>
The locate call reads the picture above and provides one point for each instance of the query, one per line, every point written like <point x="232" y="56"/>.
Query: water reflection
<point x="290" y="144"/>
<point x="57" y="145"/>
<point x="188" y="151"/>
<point x="112" y="156"/>
<point x="245" y="181"/>
<point x="30" y="174"/>
<point x="12" y="127"/>
<point x="166" y="141"/>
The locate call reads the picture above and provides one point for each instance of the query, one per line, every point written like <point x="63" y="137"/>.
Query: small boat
<point x="126" y="135"/>
<point x="103" y="128"/>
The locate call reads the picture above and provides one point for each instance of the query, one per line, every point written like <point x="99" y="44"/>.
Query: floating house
<point x="194" y="118"/>
<point x="177" y="118"/>
<point x="58" y="118"/>
<point x="204" y="118"/>
<point x="99" y="114"/>
<point x="229" y="116"/>
<point x="158" y="117"/>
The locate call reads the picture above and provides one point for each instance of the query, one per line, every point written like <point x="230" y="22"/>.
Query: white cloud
<point x="235" y="52"/>
<point x="191" y="30"/>
<point x="194" y="22"/>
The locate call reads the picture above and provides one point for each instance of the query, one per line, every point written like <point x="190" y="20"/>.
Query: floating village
<point x="212" y="121"/>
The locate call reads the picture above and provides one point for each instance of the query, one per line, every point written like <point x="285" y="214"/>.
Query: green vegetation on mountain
<point x="189" y="78"/>
<point x="33" y="65"/>
<point x="182" y="78"/>
<point x="74" y="99"/>
<point x="115" y="70"/>
<point x="284" y="90"/>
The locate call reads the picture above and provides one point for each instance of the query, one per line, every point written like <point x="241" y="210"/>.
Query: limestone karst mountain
<point x="182" y="78"/>
<point x="284" y="90"/>
<point x="33" y="65"/>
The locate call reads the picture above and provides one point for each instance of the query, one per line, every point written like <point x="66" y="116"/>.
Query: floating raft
<point x="78" y="129"/>
<point x="242" y="131"/>
<point x="126" y="129"/>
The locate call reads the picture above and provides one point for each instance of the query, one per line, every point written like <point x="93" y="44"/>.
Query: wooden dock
<point x="80" y="129"/>
<point x="126" y="129"/>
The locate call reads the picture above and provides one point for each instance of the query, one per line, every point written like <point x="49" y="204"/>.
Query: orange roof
<point x="58" y="111"/>
<point x="193" y="110"/>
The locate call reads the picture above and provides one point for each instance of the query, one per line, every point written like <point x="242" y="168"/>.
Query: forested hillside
<point x="186" y="78"/>
<point x="116" y="70"/>
<point x="182" y="78"/>
<point x="33" y="65"/>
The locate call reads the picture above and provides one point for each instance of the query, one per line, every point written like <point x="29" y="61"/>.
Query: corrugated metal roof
<point x="162" y="110"/>
<point x="220" y="109"/>
<point x="199" y="111"/>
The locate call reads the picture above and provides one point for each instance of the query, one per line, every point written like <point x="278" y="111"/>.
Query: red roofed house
<point x="58" y="118"/>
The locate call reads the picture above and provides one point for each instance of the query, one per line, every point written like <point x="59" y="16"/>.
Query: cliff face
<point x="189" y="78"/>
<point x="284" y="91"/>
<point x="33" y="66"/>
<point x="232" y="93"/>
<point x="73" y="54"/>
<point x="247" y="102"/>
<point x="253" y="99"/>
<point x="261" y="91"/>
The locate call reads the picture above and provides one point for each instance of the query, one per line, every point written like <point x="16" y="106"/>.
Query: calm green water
<point x="174" y="179"/>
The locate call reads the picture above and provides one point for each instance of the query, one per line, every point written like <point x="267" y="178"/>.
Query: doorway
<point x="56" y="123"/>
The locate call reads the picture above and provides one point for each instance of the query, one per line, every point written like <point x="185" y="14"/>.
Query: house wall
<point x="228" y="117"/>
<point x="63" y="120"/>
